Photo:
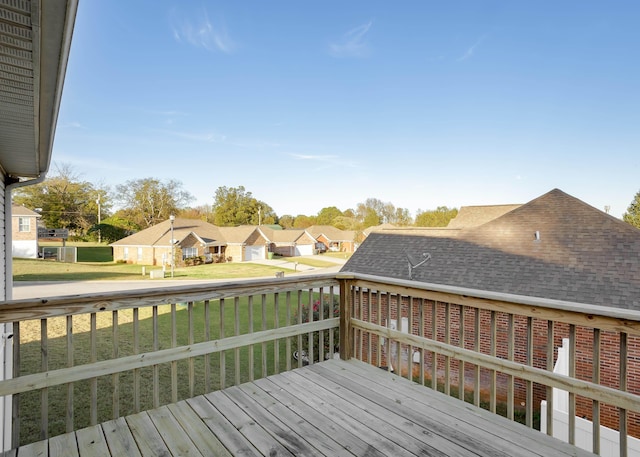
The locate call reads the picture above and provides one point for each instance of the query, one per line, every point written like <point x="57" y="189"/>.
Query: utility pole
<point x="99" y="221"/>
<point x="172" y="218"/>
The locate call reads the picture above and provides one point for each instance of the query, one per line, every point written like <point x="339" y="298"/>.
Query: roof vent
<point x="536" y="236"/>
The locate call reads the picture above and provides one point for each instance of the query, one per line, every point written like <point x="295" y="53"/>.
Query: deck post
<point x="346" y="333"/>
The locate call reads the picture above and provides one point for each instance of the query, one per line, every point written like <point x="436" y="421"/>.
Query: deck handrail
<point x="454" y="330"/>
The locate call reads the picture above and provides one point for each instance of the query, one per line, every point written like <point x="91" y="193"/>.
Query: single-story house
<point x="555" y="247"/>
<point x="244" y="243"/>
<point x="290" y="242"/>
<point x="24" y="230"/>
<point x="190" y="238"/>
<point x="334" y="238"/>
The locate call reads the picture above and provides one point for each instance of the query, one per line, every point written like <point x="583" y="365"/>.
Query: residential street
<point x="28" y="289"/>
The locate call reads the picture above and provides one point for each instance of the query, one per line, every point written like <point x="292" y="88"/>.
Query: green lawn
<point x="49" y="270"/>
<point x="262" y="355"/>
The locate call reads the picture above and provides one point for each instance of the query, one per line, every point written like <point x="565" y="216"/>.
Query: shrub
<point x="329" y="310"/>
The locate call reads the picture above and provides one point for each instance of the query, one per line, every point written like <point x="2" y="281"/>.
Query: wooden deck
<point x="335" y="408"/>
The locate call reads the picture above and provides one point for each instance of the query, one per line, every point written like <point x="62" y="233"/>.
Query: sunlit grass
<point x="264" y="360"/>
<point x="50" y="270"/>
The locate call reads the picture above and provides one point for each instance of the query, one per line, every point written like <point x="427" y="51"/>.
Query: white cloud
<point x="353" y="43"/>
<point x="471" y="49"/>
<point x="199" y="31"/>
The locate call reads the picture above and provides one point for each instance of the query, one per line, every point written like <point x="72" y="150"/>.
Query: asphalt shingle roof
<point x="473" y="216"/>
<point x="160" y="234"/>
<point x="331" y="233"/>
<point x="582" y="254"/>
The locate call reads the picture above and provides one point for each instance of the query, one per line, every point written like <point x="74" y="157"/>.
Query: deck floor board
<point x="335" y="408"/>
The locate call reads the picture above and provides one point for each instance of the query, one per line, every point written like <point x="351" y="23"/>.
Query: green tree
<point x="235" y="206"/>
<point x="371" y="212"/>
<point x="326" y="216"/>
<point x="632" y="216"/>
<point x="286" y="221"/>
<point x="149" y="201"/>
<point x="371" y="218"/>
<point x="202" y="212"/>
<point x="65" y="201"/>
<point x="346" y="223"/>
<point x="302" y="222"/>
<point x="439" y="217"/>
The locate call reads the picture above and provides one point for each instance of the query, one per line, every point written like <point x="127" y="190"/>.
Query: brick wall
<point x="609" y="351"/>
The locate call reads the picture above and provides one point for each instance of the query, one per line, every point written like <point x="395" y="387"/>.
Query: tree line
<point x="87" y="210"/>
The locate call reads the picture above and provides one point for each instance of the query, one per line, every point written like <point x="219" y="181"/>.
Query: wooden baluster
<point x="44" y="393"/>
<point x="623" y="365"/>
<point x="156" y="368"/>
<point x="529" y="384"/>
<point x="572" y="374"/>
<point x="492" y="351"/>
<point x="250" y="330"/>
<point x="299" y="322"/>
<point x="223" y="361"/>
<point x="136" y="350"/>
<point x="15" y="399"/>
<point x="370" y="336"/>
<point x="434" y="355"/>
<point x="461" y="365"/>
<point x="447" y="340"/>
<point x="70" y="416"/>
<point x="276" y="324"/>
<point x="174" y="363"/>
<point x="192" y="373"/>
<point x="93" y="357"/>
<point x="207" y="337"/>
<point x="476" y="347"/>
<point x="115" y="353"/>
<point x="310" y="334"/>
<point x="550" y="367"/>
<point x="288" y="341"/>
<point x="236" y="332"/>
<point x="595" y="431"/>
<point x="263" y="304"/>
<point x="510" y="355"/>
<point x="421" y="322"/>
<point x="410" y="347"/>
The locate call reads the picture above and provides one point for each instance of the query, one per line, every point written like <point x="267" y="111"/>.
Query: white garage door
<point x="254" y="253"/>
<point x="304" y="249"/>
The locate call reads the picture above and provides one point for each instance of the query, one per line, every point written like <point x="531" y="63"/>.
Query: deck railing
<point x="83" y="360"/>
<point x="498" y="351"/>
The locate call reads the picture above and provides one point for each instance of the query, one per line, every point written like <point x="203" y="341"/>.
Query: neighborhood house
<point x="554" y="247"/>
<point x="196" y="239"/>
<point x="24" y="229"/>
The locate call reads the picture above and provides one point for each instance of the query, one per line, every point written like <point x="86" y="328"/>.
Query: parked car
<point x="320" y="248"/>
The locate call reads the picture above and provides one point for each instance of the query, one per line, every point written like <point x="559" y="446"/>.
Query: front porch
<point x="209" y="369"/>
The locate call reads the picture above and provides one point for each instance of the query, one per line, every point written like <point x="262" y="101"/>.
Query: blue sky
<point x="316" y="104"/>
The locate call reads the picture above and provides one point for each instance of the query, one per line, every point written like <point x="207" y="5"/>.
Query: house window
<point x="125" y="254"/>
<point x="139" y="254"/>
<point x="24" y="224"/>
<point x="187" y="253"/>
